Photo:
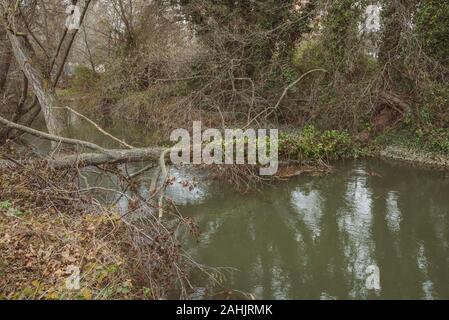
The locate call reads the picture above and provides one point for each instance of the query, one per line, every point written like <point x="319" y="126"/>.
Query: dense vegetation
<point x="339" y="78"/>
<point x="356" y="75"/>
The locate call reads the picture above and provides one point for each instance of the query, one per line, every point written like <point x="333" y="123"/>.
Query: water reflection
<point x="315" y="237"/>
<point x="355" y="221"/>
<point x="393" y="215"/>
<point x="308" y="205"/>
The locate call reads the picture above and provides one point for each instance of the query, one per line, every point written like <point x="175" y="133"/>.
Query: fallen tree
<point x="101" y="156"/>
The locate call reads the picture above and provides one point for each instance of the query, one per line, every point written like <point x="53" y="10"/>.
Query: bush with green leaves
<point x="313" y="145"/>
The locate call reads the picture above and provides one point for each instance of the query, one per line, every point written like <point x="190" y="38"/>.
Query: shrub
<point x="314" y="145"/>
<point x="309" y="55"/>
<point x="84" y="79"/>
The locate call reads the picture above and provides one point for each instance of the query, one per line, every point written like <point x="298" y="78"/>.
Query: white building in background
<point x="371" y="27"/>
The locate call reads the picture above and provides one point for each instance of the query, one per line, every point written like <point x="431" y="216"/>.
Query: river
<point x="315" y="237"/>
<point x="320" y="237"/>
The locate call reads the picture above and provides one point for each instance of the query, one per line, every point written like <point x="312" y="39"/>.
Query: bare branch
<point x="123" y="143"/>
<point x="69" y="46"/>
<point x="52" y="137"/>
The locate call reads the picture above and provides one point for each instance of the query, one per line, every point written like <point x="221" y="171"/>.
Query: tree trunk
<point x="41" y="85"/>
<point x="5" y="59"/>
<point x="100" y="156"/>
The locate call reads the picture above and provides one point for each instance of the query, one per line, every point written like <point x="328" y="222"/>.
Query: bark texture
<point x="5" y="58"/>
<point x="24" y="55"/>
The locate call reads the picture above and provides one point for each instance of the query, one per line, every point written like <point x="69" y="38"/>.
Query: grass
<point x="428" y="140"/>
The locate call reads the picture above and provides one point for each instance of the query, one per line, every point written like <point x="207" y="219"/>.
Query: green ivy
<point x="313" y="145"/>
<point x="432" y="21"/>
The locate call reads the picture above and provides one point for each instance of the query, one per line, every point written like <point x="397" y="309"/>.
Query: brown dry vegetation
<point x="48" y="227"/>
<point x="307" y="67"/>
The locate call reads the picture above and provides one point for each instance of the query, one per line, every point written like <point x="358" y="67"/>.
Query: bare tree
<point x="38" y="73"/>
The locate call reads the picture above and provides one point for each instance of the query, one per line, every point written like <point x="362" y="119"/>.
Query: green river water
<point x="314" y="237"/>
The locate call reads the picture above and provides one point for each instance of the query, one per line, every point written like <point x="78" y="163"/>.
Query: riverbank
<point x="51" y="233"/>
<point x="415" y="156"/>
<point x="58" y="242"/>
<point x="426" y="149"/>
<point x="424" y="144"/>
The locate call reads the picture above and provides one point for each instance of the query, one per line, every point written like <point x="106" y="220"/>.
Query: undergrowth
<point x="52" y="233"/>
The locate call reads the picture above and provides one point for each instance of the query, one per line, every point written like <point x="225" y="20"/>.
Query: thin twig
<point x="123" y="143"/>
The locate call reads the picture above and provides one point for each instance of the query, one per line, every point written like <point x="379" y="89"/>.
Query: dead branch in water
<point x="88" y="159"/>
